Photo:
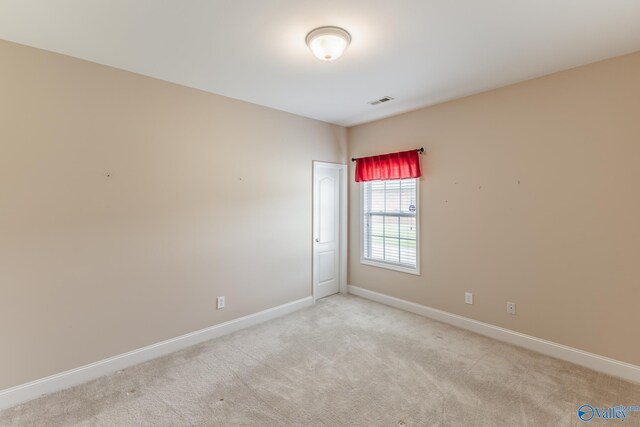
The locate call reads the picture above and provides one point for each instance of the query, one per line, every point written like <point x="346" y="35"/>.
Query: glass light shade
<point x="328" y="43"/>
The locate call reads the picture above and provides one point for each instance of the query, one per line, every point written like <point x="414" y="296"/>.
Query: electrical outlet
<point x="220" y="303"/>
<point x="511" y="307"/>
<point x="468" y="297"/>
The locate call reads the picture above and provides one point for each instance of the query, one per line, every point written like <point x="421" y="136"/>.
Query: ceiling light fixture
<point x="328" y="43"/>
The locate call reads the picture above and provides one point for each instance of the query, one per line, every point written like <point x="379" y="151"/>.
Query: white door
<point x="326" y="228"/>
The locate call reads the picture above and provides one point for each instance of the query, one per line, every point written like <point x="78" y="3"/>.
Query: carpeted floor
<point x="344" y="362"/>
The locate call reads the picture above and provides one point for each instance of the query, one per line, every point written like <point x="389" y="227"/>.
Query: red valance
<point x="403" y="165"/>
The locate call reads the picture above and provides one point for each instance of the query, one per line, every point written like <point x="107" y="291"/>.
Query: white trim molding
<point x="34" y="389"/>
<point x="593" y="361"/>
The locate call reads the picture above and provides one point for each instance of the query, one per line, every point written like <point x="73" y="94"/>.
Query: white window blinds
<point x="390" y="234"/>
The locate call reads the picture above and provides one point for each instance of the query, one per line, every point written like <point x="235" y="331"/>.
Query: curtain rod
<point x="419" y="150"/>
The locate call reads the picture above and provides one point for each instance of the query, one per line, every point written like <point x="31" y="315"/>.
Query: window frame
<point x="388" y="265"/>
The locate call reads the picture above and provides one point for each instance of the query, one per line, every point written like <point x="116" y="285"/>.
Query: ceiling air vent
<point x="381" y="100"/>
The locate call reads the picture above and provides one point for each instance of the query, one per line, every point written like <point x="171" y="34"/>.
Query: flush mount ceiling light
<point x="328" y="43"/>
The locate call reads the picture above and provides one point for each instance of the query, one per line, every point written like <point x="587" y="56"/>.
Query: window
<point x="390" y="224"/>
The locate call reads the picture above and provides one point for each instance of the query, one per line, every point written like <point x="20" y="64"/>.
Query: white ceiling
<point x="420" y="52"/>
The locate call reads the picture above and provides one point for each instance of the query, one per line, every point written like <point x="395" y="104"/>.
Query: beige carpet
<point x="344" y="362"/>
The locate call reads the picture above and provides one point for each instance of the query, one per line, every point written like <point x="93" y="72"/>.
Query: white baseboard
<point x="593" y="361"/>
<point x="31" y="390"/>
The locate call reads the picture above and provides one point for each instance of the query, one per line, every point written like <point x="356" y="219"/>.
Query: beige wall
<point x="207" y="196"/>
<point x="531" y="195"/>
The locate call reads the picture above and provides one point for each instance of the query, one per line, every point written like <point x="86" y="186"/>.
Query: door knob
<point x="317" y="240"/>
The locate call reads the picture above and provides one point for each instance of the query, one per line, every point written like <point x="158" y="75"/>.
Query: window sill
<point x="415" y="272"/>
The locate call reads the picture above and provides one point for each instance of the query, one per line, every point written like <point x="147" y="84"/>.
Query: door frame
<point x="342" y="168"/>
